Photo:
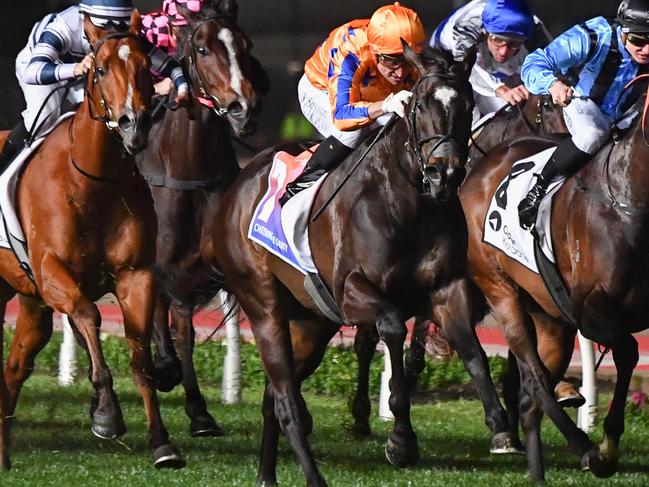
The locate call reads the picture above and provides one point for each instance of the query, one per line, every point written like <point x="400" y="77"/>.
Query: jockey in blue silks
<point x="57" y="51"/>
<point x="499" y="29"/>
<point x="606" y="55"/>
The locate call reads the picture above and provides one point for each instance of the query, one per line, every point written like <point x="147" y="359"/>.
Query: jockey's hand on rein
<point x="396" y="102"/>
<point x="561" y="93"/>
<point x="513" y="96"/>
<point x="83" y="66"/>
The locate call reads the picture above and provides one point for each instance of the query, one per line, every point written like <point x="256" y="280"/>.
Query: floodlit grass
<point x="52" y="445"/>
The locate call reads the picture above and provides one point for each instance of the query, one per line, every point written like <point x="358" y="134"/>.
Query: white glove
<point x="396" y="102"/>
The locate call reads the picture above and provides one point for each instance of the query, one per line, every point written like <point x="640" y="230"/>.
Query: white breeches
<point x="589" y="126"/>
<point x="317" y="110"/>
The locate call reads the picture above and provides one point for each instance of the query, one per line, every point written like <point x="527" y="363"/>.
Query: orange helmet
<point x="392" y="23"/>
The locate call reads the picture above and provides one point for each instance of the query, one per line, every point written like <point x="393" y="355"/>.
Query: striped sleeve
<point x="46" y="66"/>
<point x="168" y="67"/>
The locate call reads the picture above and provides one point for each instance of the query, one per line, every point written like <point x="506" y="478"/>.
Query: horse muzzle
<point x="443" y="181"/>
<point x="134" y="130"/>
<point x="242" y="117"/>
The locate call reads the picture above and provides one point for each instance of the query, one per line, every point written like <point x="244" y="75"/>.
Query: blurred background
<point x="284" y="33"/>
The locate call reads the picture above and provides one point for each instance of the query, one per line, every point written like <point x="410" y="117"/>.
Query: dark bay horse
<point x="91" y="232"/>
<point x="189" y="163"/>
<point x="538" y="116"/>
<point x="391" y="245"/>
<point x="605" y="273"/>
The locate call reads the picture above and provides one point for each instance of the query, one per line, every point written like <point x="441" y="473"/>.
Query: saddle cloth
<point x="284" y="231"/>
<point x="502" y="227"/>
<point x="11" y="233"/>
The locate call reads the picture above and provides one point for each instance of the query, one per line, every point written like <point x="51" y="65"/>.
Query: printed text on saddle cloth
<point x="283" y="233"/>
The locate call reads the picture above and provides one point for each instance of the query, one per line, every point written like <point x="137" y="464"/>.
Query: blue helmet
<point x="508" y="18"/>
<point x="107" y="12"/>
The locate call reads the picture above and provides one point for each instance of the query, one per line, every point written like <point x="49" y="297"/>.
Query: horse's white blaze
<point x="445" y="95"/>
<point x="124" y="52"/>
<point x="226" y="37"/>
<point x="128" y="105"/>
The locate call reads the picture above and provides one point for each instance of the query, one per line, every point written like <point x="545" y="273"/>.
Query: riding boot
<point x="326" y="157"/>
<point x="566" y="160"/>
<point x="14" y="143"/>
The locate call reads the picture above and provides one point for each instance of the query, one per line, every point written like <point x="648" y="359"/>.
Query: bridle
<point x="107" y="117"/>
<point x="443" y="145"/>
<point x="206" y="98"/>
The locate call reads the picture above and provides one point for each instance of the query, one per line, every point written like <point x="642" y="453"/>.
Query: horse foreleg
<point x="364" y="303"/>
<point x="415" y="361"/>
<point x="452" y="309"/>
<point x="365" y="346"/>
<point x="167" y="367"/>
<point x="135" y="293"/>
<point x="202" y="422"/>
<point x="33" y="331"/>
<point x="267" y="474"/>
<point x="605" y="462"/>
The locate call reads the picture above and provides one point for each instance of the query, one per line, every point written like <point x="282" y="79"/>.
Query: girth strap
<point x="164" y="181"/>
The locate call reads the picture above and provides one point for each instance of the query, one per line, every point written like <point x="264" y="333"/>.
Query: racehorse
<point x="389" y="246"/>
<point x="538" y="116"/>
<point x="605" y="275"/>
<point x="92" y="232"/>
<point x="189" y="163"/>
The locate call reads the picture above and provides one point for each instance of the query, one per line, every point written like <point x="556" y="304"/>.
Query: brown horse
<point x="605" y="274"/>
<point x="189" y="163"/>
<point x="92" y="232"/>
<point x="386" y="251"/>
<point x="538" y="116"/>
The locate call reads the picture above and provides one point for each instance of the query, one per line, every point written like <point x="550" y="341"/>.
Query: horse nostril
<point x="125" y="123"/>
<point x="433" y="174"/>
<point x="236" y="109"/>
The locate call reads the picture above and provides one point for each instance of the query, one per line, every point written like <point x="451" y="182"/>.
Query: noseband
<point x="444" y="145"/>
<point x="107" y="117"/>
<point x="206" y="98"/>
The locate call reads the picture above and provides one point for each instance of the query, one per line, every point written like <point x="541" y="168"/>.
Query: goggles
<point x="502" y="42"/>
<point x="638" y="40"/>
<point x="392" y="62"/>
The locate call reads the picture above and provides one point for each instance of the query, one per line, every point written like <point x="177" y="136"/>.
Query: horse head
<point x="439" y="119"/>
<point x="216" y="55"/>
<point x="119" y="85"/>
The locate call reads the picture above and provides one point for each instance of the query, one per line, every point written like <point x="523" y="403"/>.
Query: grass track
<point x="52" y="445"/>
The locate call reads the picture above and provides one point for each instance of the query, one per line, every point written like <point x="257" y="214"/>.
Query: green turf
<point x="52" y="445"/>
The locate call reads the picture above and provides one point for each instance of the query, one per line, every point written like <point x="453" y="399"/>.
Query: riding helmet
<point x="390" y="24"/>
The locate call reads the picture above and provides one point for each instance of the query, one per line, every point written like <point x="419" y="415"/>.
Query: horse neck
<point x="628" y="169"/>
<point x="94" y="148"/>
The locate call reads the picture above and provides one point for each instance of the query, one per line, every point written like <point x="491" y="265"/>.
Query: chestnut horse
<point x="189" y="163"/>
<point x="391" y="245"/>
<point x="538" y="116"/>
<point x="92" y="232"/>
<point x="605" y="274"/>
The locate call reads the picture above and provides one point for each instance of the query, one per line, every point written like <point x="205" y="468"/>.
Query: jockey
<point x="57" y="51"/>
<point x="354" y="77"/>
<point x="499" y="29"/>
<point x="607" y="55"/>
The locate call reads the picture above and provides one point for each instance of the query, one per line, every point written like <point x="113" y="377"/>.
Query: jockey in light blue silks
<point x="57" y="51"/>
<point x="606" y="55"/>
<point x="499" y="30"/>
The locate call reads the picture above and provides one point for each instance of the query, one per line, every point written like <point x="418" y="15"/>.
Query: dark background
<point x="284" y="32"/>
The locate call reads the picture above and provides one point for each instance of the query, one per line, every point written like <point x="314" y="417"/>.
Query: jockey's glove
<point x="396" y="102"/>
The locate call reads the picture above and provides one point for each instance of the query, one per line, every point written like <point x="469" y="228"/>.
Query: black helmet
<point x="633" y="15"/>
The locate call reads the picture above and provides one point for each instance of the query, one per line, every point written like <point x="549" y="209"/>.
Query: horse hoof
<point x="204" y="426"/>
<point x="108" y="426"/>
<point x="166" y="456"/>
<point x="599" y="465"/>
<point x="400" y="455"/>
<point x="361" y="431"/>
<point x="506" y="444"/>
<point x="167" y="374"/>
<point x="568" y="397"/>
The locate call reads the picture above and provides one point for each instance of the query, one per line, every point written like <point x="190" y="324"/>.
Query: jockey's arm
<point x="349" y="111"/>
<point x="167" y="66"/>
<point x="46" y="66"/>
<point x="460" y="31"/>
<point x="540" y="68"/>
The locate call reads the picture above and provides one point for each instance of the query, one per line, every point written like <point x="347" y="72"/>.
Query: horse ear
<point x="93" y="33"/>
<point x="470" y="57"/>
<point x="412" y="57"/>
<point x="136" y="22"/>
<point x="229" y="7"/>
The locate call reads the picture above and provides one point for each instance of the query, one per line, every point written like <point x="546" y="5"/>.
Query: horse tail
<point x="195" y="288"/>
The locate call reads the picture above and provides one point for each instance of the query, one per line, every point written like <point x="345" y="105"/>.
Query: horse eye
<point x="100" y="71"/>
<point x="202" y="51"/>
